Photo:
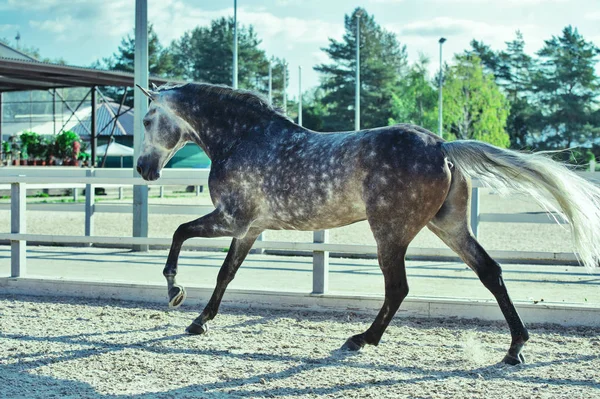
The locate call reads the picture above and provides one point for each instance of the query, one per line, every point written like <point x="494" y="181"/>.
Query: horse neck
<point x="218" y="131"/>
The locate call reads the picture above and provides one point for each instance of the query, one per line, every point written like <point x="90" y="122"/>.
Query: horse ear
<point x="149" y="93"/>
<point x="154" y="87"/>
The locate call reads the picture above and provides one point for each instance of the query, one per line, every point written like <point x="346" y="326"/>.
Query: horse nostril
<point x="139" y="169"/>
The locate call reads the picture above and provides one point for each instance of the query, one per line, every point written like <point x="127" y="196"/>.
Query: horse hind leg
<point x="450" y="224"/>
<point x="391" y="261"/>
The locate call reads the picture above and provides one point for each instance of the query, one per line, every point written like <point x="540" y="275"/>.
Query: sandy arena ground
<point x="70" y="348"/>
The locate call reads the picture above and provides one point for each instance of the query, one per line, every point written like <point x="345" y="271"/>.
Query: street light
<point x="235" y="46"/>
<point x="285" y="87"/>
<point x="271" y="82"/>
<point x="357" y="80"/>
<point x="300" y="95"/>
<point x="441" y="41"/>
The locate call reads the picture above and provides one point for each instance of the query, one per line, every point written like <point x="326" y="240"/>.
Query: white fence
<point x="20" y="179"/>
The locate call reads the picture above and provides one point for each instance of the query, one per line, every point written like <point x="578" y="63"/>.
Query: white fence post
<point x="262" y="237"/>
<point x="90" y="199"/>
<point x="475" y="211"/>
<point x="120" y="192"/>
<point x="75" y="194"/>
<point x="320" y="264"/>
<point x="162" y="191"/>
<point x="18" y="248"/>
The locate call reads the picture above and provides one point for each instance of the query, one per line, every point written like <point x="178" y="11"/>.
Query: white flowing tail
<point x="541" y="177"/>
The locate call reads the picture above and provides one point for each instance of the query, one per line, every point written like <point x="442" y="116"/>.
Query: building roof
<point x="20" y="75"/>
<point x="105" y="113"/>
<point x="7" y="51"/>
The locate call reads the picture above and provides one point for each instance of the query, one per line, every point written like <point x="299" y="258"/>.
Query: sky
<point x="83" y="31"/>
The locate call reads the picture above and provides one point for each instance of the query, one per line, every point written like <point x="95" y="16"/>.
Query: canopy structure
<point x="113" y="150"/>
<point x="20" y="75"/>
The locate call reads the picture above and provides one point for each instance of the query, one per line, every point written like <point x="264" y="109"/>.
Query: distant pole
<point x="357" y="89"/>
<point x="440" y="120"/>
<point x="140" y="101"/>
<point x="300" y="95"/>
<point x="235" y="46"/>
<point x="285" y="87"/>
<point x="271" y="82"/>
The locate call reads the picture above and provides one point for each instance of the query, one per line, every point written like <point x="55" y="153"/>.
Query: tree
<point x="415" y="99"/>
<point x="205" y="54"/>
<point x="474" y="107"/>
<point x="160" y="63"/>
<point x="567" y="87"/>
<point x="382" y="62"/>
<point x="511" y="69"/>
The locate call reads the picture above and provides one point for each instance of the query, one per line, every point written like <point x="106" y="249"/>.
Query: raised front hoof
<point x="177" y="295"/>
<point x="197" y="329"/>
<point x="512" y="360"/>
<point x="353" y="344"/>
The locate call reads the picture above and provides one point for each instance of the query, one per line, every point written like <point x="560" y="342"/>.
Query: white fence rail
<point x="20" y="179"/>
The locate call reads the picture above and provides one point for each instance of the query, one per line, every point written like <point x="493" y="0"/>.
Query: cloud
<point x="448" y="27"/>
<point x="57" y="25"/>
<point x="267" y="25"/>
<point x="514" y="3"/>
<point x="8" y="27"/>
<point x="593" y="16"/>
<point x="112" y="19"/>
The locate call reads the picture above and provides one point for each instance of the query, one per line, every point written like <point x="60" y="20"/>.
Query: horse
<point x="269" y="173"/>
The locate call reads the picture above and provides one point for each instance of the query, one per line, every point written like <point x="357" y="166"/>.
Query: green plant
<point x="29" y="144"/>
<point x="5" y="147"/>
<point x="64" y="143"/>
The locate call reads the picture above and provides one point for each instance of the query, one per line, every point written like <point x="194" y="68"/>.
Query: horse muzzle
<point x="148" y="169"/>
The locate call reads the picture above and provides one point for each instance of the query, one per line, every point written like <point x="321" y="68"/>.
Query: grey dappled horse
<point x="269" y="173"/>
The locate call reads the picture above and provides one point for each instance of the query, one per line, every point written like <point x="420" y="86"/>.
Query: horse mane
<point x="253" y="100"/>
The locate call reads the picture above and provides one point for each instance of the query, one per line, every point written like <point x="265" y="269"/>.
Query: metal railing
<point x="20" y="179"/>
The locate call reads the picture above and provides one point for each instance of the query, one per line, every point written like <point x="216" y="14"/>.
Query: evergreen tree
<point x="567" y="87"/>
<point x="160" y="63"/>
<point x="512" y="73"/>
<point x="382" y="61"/>
<point x="474" y="107"/>
<point x="415" y="100"/>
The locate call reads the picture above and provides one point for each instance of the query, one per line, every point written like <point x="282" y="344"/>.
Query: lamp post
<point x="271" y="82"/>
<point x="440" y="133"/>
<point x="235" y="47"/>
<point x="357" y="80"/>
<point x="300" y="95"/>
<point x="284" y="87"/>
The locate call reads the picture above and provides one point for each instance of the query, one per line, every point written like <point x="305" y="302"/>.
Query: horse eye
<point x="146" y="122"/>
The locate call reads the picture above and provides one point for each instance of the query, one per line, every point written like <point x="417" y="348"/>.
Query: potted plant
<point x="65" y="145"/>
<point x="29" y="145"/>
<point x="6" y="150"/>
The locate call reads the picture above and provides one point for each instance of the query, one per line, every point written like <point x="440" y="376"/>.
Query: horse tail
<point x="548" y="181"/>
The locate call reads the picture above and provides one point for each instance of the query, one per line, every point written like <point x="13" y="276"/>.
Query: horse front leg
<point x="235" y="256"/>
<point x="215" y="224"/>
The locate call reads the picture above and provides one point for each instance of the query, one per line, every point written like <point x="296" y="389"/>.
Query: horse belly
<point x="317" y="206"/>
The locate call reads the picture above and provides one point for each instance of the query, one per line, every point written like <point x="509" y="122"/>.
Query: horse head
<point x="166" y="133"/>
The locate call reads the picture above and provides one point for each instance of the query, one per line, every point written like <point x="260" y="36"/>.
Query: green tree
<point x="474" y="107"/>
<point x="382" y="61"/>
<point x="415" y="99"/>
<point x="567" y="87"/>
<point x="511" y="69"/>
<point x="205" y="54"/>
<point x="314" y="110"/>
<point x="160" y="63"/>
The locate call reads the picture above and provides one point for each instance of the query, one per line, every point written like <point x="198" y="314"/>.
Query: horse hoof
<point x="196" y="329"/>
<point x="177" y="295"/>
<point x="512" y="360"/>
<point x="351" y="345"/>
